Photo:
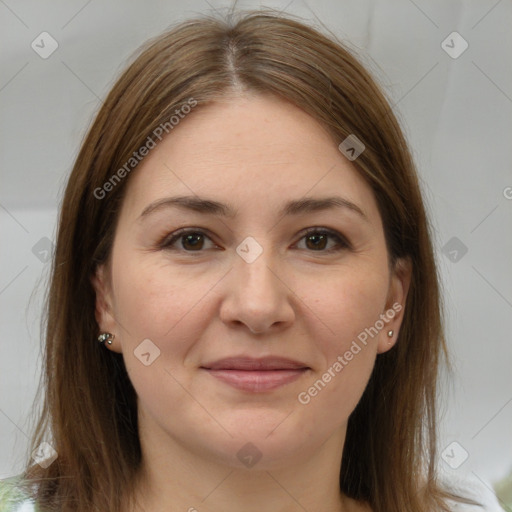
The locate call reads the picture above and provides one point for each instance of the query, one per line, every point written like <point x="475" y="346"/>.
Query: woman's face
<point x="255" y="279"/>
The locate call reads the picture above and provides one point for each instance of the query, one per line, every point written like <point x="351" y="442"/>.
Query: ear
<point x="104" y="311"/>
<point x="393" y="315"/>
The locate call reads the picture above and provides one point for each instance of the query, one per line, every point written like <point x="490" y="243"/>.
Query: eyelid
<point x="342" y="242"/>
<point x="173" y="237"/>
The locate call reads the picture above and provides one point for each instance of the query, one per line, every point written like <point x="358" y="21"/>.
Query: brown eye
<point x="191" y="241"/>
<point x="318" y="239"/>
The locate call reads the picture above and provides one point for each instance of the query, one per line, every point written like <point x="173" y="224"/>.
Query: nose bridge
<point x="254" y="265"/>
<point x="256" y="296"/>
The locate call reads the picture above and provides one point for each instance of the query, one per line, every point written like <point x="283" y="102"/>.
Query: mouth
<point x="256" y="375"/>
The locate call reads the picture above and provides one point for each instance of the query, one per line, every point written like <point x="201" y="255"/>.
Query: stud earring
<point x="106" y="336"/>
<point x="390" y="333"/>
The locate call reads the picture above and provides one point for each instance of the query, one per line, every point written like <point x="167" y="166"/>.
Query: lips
<point x="253" y="364"/>
<point x="256" y="375"/>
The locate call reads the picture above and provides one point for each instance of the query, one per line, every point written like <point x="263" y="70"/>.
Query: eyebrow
<point x="209" y="206"/>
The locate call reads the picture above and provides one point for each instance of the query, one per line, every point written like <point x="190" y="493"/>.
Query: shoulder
<point x="13" y="498"/>
<point x="473" y="488"/>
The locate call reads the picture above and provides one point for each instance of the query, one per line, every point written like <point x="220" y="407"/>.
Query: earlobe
<point x="395" y="305"/>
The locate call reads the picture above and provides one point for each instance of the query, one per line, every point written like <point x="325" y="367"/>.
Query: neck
<point x="174" y="478"/>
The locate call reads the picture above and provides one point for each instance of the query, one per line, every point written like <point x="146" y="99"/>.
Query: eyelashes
<point x="193" y="238"/>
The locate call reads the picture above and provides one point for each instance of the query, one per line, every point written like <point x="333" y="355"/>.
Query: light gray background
<point x="457" y="116"/>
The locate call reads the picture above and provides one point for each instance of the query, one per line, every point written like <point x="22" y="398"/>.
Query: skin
<point x="197" y="305"/>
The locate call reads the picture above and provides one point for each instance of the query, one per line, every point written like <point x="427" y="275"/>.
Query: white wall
<point x="457" y="115"/>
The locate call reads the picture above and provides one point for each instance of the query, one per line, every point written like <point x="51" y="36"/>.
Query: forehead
<point x="255" y="151"/>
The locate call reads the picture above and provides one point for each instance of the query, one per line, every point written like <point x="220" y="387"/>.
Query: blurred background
<point x="446" y="67"/>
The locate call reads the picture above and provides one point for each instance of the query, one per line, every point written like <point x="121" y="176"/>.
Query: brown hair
<point x="89" y="413"/>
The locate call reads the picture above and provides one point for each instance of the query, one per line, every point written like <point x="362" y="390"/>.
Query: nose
<point x="256" y="295"/>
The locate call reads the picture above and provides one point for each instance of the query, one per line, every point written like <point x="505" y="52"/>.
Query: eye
<point x="317" y="239"/>
<point x="193" y="240"/>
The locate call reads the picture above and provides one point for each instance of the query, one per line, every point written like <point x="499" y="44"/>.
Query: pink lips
<point x="256" y="375"/>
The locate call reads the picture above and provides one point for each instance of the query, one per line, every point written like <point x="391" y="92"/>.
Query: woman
<point x="244" y="309"/>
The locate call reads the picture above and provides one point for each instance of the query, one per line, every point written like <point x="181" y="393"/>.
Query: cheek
<point x="346" y="311"/>
<point x="159" y="303"/>
<point x="345" y="305"/>
<point x="154" y="298"/>
<point x="169" y="305"/>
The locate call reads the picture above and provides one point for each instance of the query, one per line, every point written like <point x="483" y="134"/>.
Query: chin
<point x="258" y="446"/>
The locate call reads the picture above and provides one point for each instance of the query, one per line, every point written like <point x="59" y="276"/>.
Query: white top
<point x="468" y="486"/>
<point x="473" y="488"/>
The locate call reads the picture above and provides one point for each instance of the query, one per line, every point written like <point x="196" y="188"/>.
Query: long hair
<point x="89" y="414"/>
